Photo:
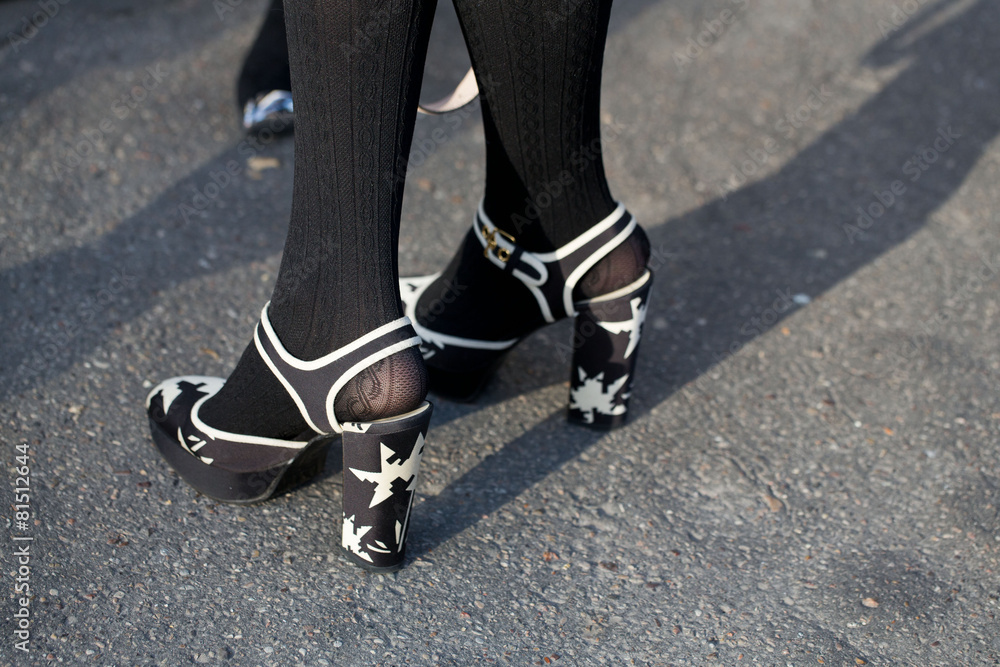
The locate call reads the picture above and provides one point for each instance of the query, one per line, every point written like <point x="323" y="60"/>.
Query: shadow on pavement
<point x="732" y="258"/>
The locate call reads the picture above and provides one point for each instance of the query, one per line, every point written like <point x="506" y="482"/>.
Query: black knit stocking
<point x="538" y="64"/>
<point x="356" y="67"/>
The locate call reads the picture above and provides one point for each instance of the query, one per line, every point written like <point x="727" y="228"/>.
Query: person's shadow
<point x="798" y="231"/>
<point x="728" y="261"/>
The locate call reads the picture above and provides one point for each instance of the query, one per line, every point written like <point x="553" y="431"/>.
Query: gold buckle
<point x="491" y="242"/>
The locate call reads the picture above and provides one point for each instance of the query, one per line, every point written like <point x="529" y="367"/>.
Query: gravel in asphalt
<point x="810" y="473"/>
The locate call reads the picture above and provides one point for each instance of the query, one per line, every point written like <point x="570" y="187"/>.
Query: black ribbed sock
<point x="356" y="69"/>
<point x="538" y="64"/>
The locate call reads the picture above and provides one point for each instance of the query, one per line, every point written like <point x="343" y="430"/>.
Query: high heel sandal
<point x="606" y="331"/>
<point x="381" y="457"/>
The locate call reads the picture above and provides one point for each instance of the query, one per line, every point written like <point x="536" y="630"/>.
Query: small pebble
<point x="262" y="163"/>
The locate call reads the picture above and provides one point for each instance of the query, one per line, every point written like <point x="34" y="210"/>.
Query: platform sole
<point x="242" y="488"/>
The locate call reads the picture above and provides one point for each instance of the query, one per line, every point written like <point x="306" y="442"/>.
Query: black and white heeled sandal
<point x="381" y="457"/>
<point x="606" y="334"/>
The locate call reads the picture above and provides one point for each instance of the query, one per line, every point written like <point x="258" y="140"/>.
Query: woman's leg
<point x="356" y="67"/>
<point x="538" y="63"/>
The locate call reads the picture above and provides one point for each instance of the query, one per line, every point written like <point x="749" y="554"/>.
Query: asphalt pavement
<point x="810" y="475"/>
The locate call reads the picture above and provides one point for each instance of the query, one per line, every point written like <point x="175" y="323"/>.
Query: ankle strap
<point x="552" y="276"/>
<point x="314" y="385"/>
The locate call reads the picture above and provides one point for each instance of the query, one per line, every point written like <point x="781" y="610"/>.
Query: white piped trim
<point x="440" y="340"/>
<point x="562" y="251"/>
<point x="363" y="427"/>
<point x="538" y="259"/>
<point x="584" y="238"/>
<point x="573" y="278"/>
<point x="611" y="296"/>
<point x="289" y="389"/>
<point x="526" y="257"/>
<point x="295" y="362"/>
<point x="543" y="303"/>
<point x="357" y="368"/>
<point x="217" y="434"/>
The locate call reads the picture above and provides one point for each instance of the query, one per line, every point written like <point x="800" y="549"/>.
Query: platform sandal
<point x="606" y="332"/>
<point x="381" y="457"/>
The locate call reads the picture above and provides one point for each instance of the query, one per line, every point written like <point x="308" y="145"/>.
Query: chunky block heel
<point x="381" y="461"/>
<point x="606" y="336"/>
